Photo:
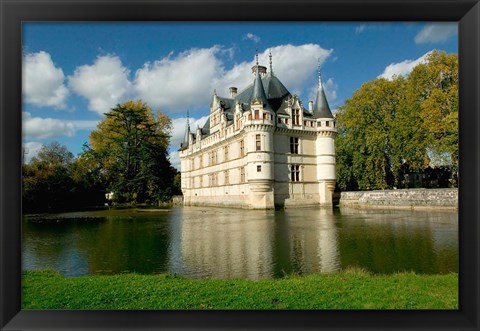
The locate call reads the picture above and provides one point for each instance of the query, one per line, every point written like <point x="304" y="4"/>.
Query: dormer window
<point x="296" y="116"/>
<point x="257" y="114"/>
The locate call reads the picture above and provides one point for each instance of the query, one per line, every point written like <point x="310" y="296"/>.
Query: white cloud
<point x="31" y="149"/>
<point x="330" y="88"/>
<point x="293" y="65"/>
<point x="42" y="128"/>
<point x="84" y="124"/>
<point x="188" y="79"/>
<point x="42" y="82"/>
<point x="252" y="37"/>
<point x="402" y="68"/>
<point x="174" y="157"/>
<point x="181" y="81"/>
<point x="360" y="28"/>
<point x="178" y="129"/>
<point x="436" y="33"/>
<point x="104" y="83"/>
<point x="178" y="132"/>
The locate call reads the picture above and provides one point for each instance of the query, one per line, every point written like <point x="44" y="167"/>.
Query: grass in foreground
<point x="352" y="289"/>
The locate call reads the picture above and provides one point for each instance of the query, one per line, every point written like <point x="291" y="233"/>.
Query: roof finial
<point x="319" y="75"/>
<point x="270" y="56"/>
<point x="256" y="56"/>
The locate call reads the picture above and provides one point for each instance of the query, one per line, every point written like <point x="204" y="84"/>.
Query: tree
<point x="54" y="154"/>
<point x="130" y="146"/>
<point x="389" y="127"/>
<point x="46" y="179"/>
<point x="367" y="145"/>
<point x="434" y="85"/>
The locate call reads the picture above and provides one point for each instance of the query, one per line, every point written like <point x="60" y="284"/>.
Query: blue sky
<point x="75" y="72"/>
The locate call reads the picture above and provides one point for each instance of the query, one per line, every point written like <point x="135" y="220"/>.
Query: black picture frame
<point x="14" y="12"/>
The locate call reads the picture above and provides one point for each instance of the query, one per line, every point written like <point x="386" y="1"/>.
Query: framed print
<point x="134" y="133"/>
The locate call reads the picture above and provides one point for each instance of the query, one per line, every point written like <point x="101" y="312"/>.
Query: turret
<point x="321" y="109"/>
<point x="186" y="136"/>
<point x="259" y="141"/>
<point x="325" y="145"/>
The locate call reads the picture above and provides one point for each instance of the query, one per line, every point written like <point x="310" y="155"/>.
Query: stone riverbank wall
<point x="446" y="198"/>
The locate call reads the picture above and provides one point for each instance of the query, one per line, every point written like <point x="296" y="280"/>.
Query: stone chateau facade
<point x="261" y="149"/>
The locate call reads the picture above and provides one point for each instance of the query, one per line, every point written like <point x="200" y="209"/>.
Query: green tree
<point x="130" y="146"/>
<point x="367" y="144"/>
<point x="434" y="89"/>
<point x="388" y="126"/>
<point x="46" y="183"/>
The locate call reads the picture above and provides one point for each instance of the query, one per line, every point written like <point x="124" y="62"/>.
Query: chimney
<point x="310" y="106"/>
<point x="262" y="70"/>
<point x="233" y="91"/>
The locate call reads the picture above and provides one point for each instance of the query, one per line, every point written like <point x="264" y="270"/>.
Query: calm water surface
<point x="200" y="242"/>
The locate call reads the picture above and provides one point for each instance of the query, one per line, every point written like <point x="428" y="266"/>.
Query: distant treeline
<point x="127" y="155"/>
<point x="401" y="132"/>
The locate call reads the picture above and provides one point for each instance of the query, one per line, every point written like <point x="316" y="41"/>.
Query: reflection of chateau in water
<point x="313" y="243"/>
<point x="224" y="245"/>
<point x="202" y="242"/>
<point x="255" y="245"/>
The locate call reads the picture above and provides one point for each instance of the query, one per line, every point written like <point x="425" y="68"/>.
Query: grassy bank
<point x="354" y="289"/>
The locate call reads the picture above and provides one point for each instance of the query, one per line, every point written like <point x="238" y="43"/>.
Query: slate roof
<point x="275" y="92"/>
<point x="321" y="108"/>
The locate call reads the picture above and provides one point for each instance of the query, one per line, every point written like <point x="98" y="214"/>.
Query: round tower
<point x="259" y="140"/>
<point x="324" y="146"/>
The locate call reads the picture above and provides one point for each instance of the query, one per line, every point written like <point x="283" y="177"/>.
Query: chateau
<point x="261" y="149"/>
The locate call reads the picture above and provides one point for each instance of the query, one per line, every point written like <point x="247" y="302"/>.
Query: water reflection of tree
<point x="52" y="243"/>
<point x="391" y="241"/>
<point x="127" y="244"/>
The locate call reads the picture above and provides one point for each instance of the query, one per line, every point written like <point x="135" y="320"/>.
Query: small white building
<point x="261" y="149"/>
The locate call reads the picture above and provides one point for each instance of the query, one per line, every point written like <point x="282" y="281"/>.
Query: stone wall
<point x="177" y="200"/>
<point x="446" y="198"/>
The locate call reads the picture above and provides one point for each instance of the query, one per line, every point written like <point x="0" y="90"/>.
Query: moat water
<point x="201" y="242"/>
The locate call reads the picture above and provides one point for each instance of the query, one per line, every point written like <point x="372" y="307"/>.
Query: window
<point x="259" y="168"/>
<point x="327" y="123"/>
<point x="226" y="177"/>
<point x="242" y="175"/>
<point x="242" y="148"/>
<point x="296" y="116"/>
<point x="279" y="120"/>
<point x="257" y="114"/>
<point x="250" y="116"/>
<point x="225" y="153"/>
<point x="258" y="143"/>
<point x="294" y="145"/>
<point x="295" y="173"/>
<point x="237" y="122"/>
<point x="286" y="121"/>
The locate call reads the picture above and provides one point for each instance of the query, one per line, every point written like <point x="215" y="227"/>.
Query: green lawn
<point x="353" y="289"/>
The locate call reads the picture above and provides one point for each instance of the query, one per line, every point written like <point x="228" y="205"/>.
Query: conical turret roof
<point x="258" y="92"/>
<point x="186" y="137"/>
<point x="321" y="108"/>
